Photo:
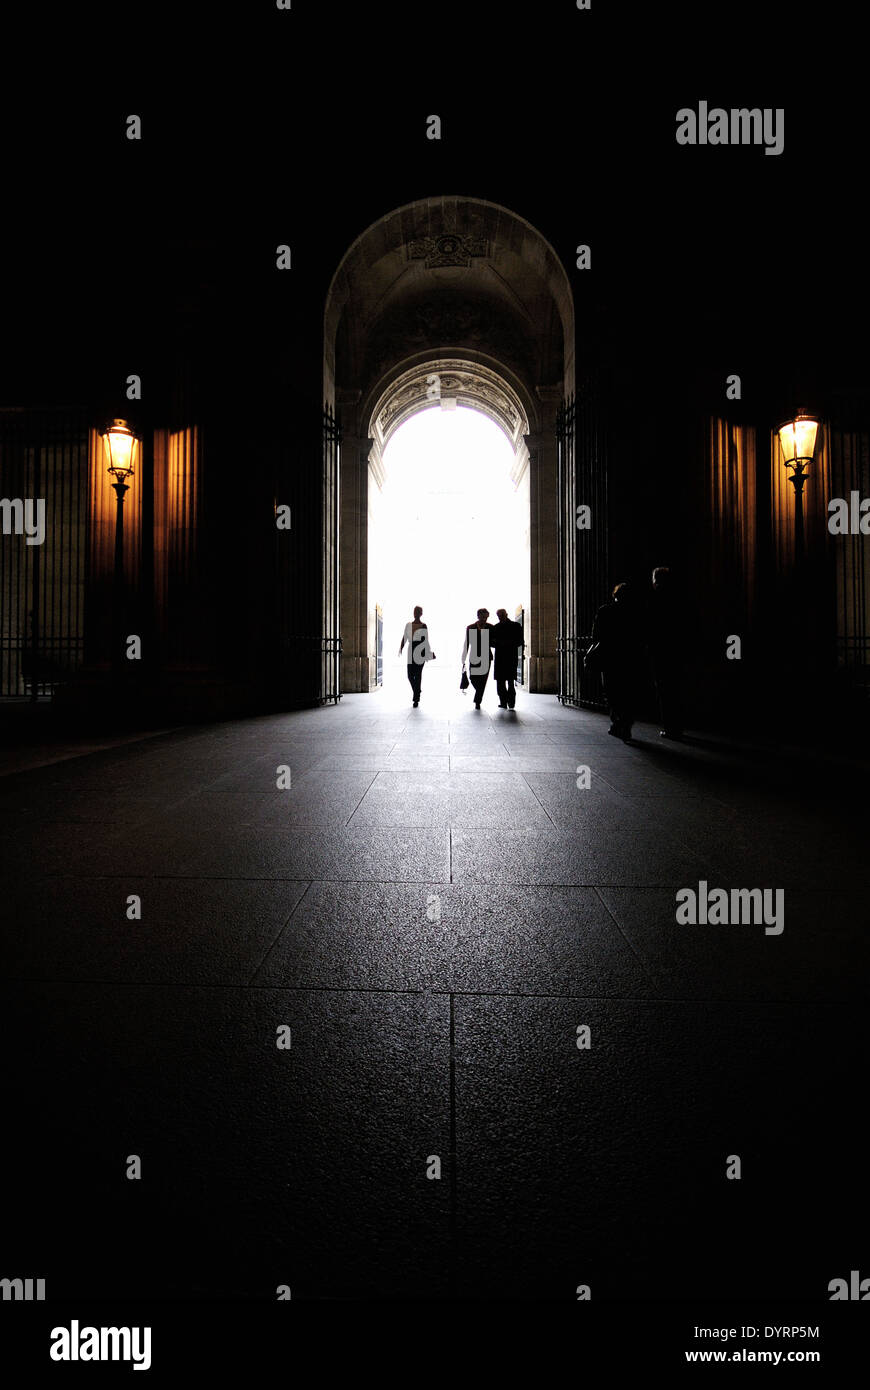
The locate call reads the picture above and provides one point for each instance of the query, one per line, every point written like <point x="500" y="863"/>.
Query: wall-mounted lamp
<point x="797" y="439"/>
<point x="119" y="442"/>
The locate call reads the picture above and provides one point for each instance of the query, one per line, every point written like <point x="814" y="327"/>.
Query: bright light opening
<point x="450" y="532"/>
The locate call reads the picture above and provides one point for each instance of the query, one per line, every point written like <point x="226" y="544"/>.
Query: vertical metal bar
<point x="582" y="472"/>
<point x="336" y="623"/>
<point x="562" y="539"/>
<point x="330" y="640"/>
<point x="36" y="576"/>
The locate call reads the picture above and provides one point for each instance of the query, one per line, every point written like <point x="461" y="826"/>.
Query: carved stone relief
<point x="448" y="249"/>
<point x="468" y="383"/>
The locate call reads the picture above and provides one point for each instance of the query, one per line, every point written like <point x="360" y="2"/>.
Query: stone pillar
<point x="544" y="538"/>
<point x="353" y="559"/>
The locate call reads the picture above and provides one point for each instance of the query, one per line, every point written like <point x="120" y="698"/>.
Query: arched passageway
<point x="448" y="530"/>
<point x="467" y="291"/>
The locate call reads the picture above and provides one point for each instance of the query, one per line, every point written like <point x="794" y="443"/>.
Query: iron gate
<point x="43" y="488"/>
<point x="583" y="554"/>
<point x="330" y="673"/>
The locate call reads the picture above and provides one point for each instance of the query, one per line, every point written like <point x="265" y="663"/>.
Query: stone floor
<point x="434" y="907"/>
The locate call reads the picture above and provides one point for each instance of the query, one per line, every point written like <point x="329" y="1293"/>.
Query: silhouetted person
<point x="416" y="638"/>
<point x="478" y="651"/>
<point x="507" y="639"/>
<point x="668" y="645"/>
<point x="617" y="628"/>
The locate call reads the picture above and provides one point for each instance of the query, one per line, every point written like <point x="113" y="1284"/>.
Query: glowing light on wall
<point x="120" y="448"/>
<point x="797" y="440"/>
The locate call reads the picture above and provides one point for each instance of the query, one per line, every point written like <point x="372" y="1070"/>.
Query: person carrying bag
<point x="478" y="651"/>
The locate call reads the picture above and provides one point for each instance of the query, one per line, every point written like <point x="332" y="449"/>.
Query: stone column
<point x="353" y="559"/>
<point x="544" y="538"/>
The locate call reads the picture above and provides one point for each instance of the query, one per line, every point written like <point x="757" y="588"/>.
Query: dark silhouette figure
<point x="507" y="639"/>
<point x="668" y="644"/>
<point x="416" y="638"/>
<point x="618" y="631"/>
<point x="478" y="651"/>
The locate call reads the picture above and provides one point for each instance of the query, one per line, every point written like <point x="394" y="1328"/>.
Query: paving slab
<point x="260" y="1166"/>
<point x="189" y="931"/>
<point x="448" y="799"/>
<point x="455" y="937"/>
<point x="556" y="856"/>
<point x="607" y="1167"/>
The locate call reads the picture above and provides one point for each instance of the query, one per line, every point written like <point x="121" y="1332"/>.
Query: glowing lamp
<point x="118" y="442"/>
<point x="797" y="439"/>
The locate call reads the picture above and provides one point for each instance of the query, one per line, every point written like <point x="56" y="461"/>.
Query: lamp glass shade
<point x="798" y="440"/>
<point x="118" y="441"/>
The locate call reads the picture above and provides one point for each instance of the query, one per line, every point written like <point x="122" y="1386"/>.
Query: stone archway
<point x="456" y="385"/>
<point x="445" y="379"/>
<point x="471" y="287"/>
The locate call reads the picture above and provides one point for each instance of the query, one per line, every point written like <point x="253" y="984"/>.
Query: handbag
<point x="464" y="683"/>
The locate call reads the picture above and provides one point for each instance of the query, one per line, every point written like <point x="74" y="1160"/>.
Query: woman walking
<point x="416" y="639"/>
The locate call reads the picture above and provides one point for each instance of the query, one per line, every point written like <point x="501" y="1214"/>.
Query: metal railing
<point x="316" y="664"/>
<point x="44" y="460"/>
<point x="330" y="670"/>
<point x="582" y="452"/>
<point x="577" y="686"/>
